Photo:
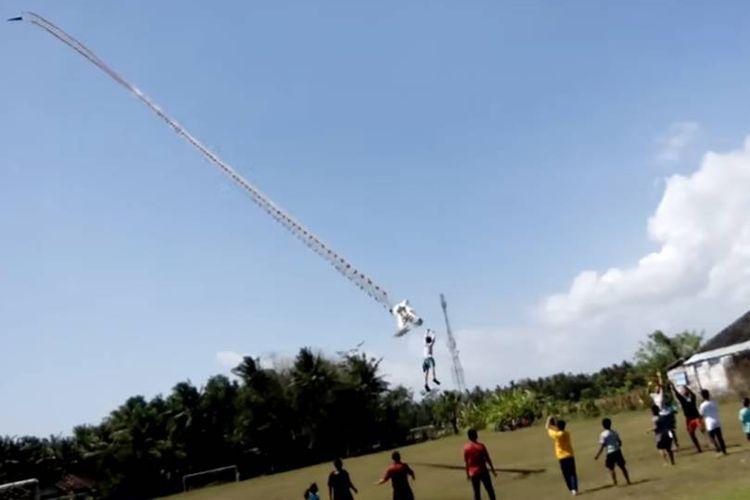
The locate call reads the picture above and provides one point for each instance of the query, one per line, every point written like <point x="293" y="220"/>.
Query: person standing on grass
<point x="563" y="452"/>
<point x="662" y="399"/>
<point x="693" y="421"/>
<point x="340" y="485"/>
<point x="663" y="434"/>
<point x="477" y="458"/>
<point x="312" y="492"/>
<point x="745" y="417"/>
<point x="398" y="474"/>
<point x="610" y="440"/>
<point x="709" y="410"/>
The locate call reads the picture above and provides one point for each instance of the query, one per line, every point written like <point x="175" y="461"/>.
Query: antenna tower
<point x="458" y="371"/>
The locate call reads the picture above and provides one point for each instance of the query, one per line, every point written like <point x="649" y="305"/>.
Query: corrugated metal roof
<point x="736" y="333"/>
<point x="718" y="353"/>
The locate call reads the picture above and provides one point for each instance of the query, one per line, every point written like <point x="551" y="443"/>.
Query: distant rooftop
<point x="736" y="333"/>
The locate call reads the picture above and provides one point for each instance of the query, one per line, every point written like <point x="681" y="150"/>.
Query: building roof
<point x="718" y="353"/>
<point x="736" y="333"/>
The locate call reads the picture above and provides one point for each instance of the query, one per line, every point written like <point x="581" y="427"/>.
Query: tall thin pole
<point x="458" y="371"/>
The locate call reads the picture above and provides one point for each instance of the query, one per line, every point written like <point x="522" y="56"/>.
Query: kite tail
<point x="307" y="237"/>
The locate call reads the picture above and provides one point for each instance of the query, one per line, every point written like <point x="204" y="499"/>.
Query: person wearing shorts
<point x="663" y="435"/>
<point x="693" y="421"/>
<point x="429" y="361"/>
<point x="662" y="399"/>
<point x="610" y="440"/>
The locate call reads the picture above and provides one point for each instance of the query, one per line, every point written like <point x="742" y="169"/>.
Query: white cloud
<point x="229" y="359"/>
<point x="677" y="139"/>
<point x="702" y="229"/>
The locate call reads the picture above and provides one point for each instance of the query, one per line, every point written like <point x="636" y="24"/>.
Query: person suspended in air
<point x="406" y="318"/>
<point x="429" y="359"/>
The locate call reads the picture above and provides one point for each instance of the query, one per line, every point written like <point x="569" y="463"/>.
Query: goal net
<point x="27" y="489"/>
<point x="209" y="477"/>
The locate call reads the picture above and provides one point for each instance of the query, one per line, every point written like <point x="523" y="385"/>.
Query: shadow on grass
<point x="732" y="449"/>
<point x="610" y="486"/>
<point x="522" y="472"/>
<point x="621" y="485"/>
<point x="710" y="449"/>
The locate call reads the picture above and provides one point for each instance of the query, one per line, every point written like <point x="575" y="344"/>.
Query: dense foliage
<point x="268" y="420"/>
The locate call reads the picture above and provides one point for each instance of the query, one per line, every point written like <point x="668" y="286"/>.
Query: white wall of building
<point x="711" y="374"/>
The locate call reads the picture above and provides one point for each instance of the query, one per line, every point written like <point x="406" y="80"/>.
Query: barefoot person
<point x="662" y="398"/>
<point x="709" y="410"/>
<point x="429" y="360"/>
<point x="693" y="421"/>
<point x="662" y="434"/>
<point x="610" y="440"/>
<point x="563" y="452"/>
<point x="340" y="485"/>
<point x="398" y="474"/>
<point x="477" y="458"/>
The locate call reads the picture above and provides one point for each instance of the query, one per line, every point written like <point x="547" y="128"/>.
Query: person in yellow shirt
<point x="563" y="452"/>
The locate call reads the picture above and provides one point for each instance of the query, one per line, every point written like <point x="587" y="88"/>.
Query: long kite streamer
<point x="277" y="213"/>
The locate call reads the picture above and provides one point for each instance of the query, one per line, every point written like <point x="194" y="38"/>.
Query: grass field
<point x="437" y="465"/>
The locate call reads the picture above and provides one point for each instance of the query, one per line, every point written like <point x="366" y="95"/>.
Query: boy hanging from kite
<point x="429" y="360"/>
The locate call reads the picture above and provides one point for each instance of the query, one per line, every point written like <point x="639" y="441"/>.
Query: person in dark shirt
<point x="398" y="474"/>
<point x="340" y="485"/>
<point x="693" y="421"/>
<point x="663" y="435"/>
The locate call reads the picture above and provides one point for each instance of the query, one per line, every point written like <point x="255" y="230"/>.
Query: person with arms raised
<point x="689" y="403"/>
<point x="563" y="452"/>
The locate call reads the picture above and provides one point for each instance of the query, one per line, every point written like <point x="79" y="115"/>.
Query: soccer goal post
<point x="208" y="477"/>
<point x="20" y="490"/>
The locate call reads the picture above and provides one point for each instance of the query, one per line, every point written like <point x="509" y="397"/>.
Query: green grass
<point x="439" y="475"/>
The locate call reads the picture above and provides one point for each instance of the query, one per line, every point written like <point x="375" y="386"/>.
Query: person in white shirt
<point x="429" y="360"/>
<point x="609" y="440"/>
<point x="709" y="410"/>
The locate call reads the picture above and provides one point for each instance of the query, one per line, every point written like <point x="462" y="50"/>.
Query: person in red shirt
<point x="477" y="458"/>
<point x="398" y="473"/>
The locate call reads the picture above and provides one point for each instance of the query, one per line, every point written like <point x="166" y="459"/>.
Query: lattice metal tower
<point x="458" y="371"/>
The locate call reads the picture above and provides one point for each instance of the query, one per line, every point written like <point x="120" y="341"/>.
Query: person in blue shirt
<point x="745" y="417"/>
<point x="312" y="492"/>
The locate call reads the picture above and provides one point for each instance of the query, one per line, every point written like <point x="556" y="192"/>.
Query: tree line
<point x="317" y="408"/>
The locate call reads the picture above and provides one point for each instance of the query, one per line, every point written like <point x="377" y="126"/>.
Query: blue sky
<point x="490" y="151"/>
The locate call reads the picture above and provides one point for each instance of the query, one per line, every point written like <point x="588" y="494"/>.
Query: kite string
<point x="296" y="228"/>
